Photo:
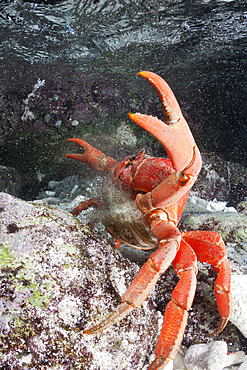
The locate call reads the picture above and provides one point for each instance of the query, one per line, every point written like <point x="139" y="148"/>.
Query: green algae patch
<point x="36" y="298"/>
<point x="7" y="257"/>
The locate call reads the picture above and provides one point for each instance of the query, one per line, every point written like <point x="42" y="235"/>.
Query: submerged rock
<point x="229" y="222"/>
<point x="58" y="278"/>
<point x="239" y="303"/>
<point x="211" y="356"/>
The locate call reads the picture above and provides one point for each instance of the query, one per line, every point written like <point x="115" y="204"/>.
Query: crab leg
<point x="168" y="193"/>
<point x="176" y="313"/>
<point x="148" y="275"/>
<point x="174" y="134"/>
<point x="209" y="247"/>
<point x="93" y="157"/>
<point x="92" y="202"/>
<point x="175" y="318"/>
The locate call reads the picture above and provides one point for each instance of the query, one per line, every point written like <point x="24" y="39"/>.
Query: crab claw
<point x="174" y="133"/>
<point x="93" y="157"/>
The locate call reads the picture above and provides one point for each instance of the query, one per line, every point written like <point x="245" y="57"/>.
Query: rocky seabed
<point x="56" y="274"/>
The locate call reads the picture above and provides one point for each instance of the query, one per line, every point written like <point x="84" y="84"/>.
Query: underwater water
<point x="88" y="53"/>
<point x="68" y="69"/>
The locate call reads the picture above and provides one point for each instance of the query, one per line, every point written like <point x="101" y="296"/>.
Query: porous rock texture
<point x="58" y="278"/>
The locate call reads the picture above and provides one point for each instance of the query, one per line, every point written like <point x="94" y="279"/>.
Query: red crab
<point x="159" y="188"/>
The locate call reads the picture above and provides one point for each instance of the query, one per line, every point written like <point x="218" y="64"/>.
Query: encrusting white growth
<point x="27" y="113"/>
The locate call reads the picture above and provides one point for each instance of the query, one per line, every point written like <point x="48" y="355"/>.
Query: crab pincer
<point x="93" y="157"/>
<point x="173" y="133"/>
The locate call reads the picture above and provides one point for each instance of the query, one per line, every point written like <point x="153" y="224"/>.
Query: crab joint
<point x="181" y="177"/>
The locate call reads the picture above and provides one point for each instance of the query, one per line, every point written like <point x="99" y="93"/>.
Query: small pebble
<point x="239" y="302"/>
<point x="74" y="189"/>
<point x="47" y="118"/>
<point x="75" y="123"/>
<point x="58" y="123"/>
<point x="178" y="363"/>
<point x="211" y="356"/>
<point x="50" y="193"/>
<point x="244" y="365"/>
<point x="25" y="358"/>
<point x="235" y="358"/>
<point x="53" y="184"/>
<point x="62" y="195"/>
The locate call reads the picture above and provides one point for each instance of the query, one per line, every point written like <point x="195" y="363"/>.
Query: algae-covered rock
<point x="57" y="278"/>
<point x="232" y="226"/>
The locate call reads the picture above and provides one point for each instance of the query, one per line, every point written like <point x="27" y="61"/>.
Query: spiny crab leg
<point x="174" y="134"/>
<point x="93" y="202"/>
<point x="121" y="311"/>
<point x="148" y="275"/>
<point x="93" y="157"/>
<point x="175" y="317"/>
<point x="203" y="243"/>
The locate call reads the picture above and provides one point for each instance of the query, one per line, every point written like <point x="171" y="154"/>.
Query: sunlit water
<point x="83" y="32"/>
